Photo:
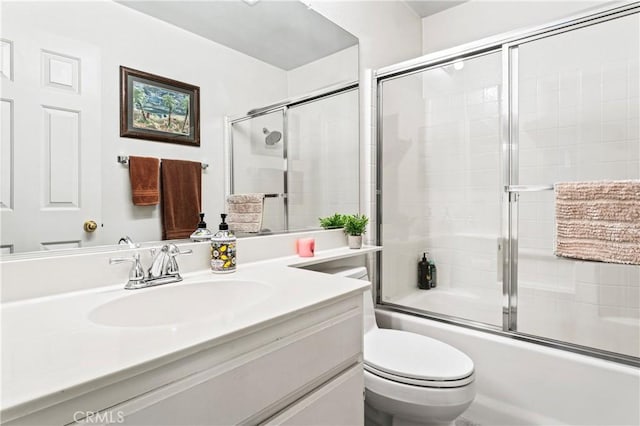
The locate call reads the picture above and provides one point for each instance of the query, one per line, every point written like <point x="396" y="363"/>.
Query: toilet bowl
<point x="410" y="379"/>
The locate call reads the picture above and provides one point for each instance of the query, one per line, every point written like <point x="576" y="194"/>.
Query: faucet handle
<point x="126" y="240"/>
<point x="174" y="250"/>
<point x="172" y="267"/>
<point x="136" y="274"/>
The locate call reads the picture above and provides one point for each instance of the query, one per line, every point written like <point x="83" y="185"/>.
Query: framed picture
<point x="158" y="108"/>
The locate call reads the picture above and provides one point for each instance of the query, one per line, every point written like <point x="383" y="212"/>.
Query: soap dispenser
<point x="423" y="273"/>
<point x="223" y="249"/>
<point x="433" y="275"/>
<point x="201" y="233"/>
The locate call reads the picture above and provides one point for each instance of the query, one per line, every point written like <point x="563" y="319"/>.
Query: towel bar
<point x="123" y="159"/>
<point x="272" y="195"/>
<point x="527" y="188"/>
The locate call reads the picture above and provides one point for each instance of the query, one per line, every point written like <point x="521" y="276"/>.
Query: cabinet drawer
<point x="255" y="385"/>
<point x="339" y="402"/>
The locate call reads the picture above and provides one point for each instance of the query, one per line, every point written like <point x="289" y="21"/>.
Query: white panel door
<point x="50" y="146"/>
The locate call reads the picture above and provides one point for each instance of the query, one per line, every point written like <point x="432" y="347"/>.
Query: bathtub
<point x="541" y="312"/>
<point x="522" y="383"/>
<point x="485" y="308"/>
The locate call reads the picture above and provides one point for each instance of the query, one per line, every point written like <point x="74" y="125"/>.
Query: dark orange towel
<point x="144" y="174"/>
<point x="181" y="198"/>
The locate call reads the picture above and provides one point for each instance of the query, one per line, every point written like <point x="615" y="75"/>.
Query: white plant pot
<point x="355" y="241"/>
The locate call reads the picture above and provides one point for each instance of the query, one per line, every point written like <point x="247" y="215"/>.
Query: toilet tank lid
<point x="346" y="271"/>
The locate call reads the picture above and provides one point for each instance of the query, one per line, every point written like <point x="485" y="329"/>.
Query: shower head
<point x="272" y="137"/>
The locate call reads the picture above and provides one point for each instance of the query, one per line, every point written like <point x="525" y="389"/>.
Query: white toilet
<point x="410" y="379"/>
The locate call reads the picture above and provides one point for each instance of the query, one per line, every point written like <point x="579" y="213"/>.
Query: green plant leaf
<point x="331" y="222"/>
<point x="355" y="224"/>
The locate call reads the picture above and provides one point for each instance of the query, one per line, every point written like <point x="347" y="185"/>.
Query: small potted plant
<point x="355" y="226"/>
<point x="332" y="222"/>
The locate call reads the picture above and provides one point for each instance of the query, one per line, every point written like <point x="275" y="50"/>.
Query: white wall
<point x="314" y="76"/>
<point x="230" y="82"/>
<point x="388" y="31"/>
<point x="477" y="19"/>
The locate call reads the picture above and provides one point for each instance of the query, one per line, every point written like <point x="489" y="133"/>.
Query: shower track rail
<point x="506" y="44"/>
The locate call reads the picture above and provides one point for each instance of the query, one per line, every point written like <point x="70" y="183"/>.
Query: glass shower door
<point x="259" y="142"/>
<point x="475" y="187"/>
<point x="323" y="157"/>
<point x="578" y="111"/>
<point x="442" y="188"/>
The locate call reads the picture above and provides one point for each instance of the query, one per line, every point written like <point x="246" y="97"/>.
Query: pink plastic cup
<point x="305" y="247"/>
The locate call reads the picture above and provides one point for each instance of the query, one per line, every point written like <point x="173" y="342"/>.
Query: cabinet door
<point x="252" y="387"/>
<point x="339" y="402"/>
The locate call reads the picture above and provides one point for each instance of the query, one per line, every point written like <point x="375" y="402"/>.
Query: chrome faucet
<point x="160" y="262"/>
<point x="163" y="270"/>
<point x="126" y="240"/>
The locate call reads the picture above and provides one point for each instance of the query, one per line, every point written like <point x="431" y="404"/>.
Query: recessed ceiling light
<point x="458" y="65"/>
<point x="251" y="2"/>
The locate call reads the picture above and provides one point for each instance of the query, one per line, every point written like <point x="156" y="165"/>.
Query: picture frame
<point x="158" y="108"/>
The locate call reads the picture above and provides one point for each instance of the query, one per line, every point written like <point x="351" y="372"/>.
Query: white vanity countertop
<point x="50" y="345"/>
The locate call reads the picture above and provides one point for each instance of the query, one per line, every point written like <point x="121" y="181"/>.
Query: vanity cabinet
<point x="335" y="403"/>
<point x="305" y="370"/>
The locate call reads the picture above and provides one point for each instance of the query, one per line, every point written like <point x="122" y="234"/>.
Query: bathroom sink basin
<point x="180" y="303"/>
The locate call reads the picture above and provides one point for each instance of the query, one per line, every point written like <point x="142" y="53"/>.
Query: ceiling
<point x="430" y="7"/>
<point x="286" y="34"/>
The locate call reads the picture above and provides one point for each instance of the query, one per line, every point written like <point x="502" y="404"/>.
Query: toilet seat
<point x="421" y="383"/>
<point x="417" y="360"/>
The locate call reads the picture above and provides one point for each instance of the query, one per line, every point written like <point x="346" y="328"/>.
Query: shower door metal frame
<point x="508" y="44"/>
<point x="283" y="106"/>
